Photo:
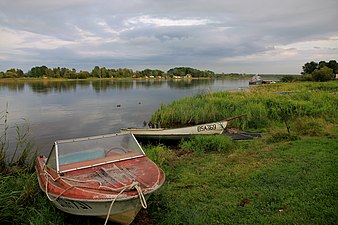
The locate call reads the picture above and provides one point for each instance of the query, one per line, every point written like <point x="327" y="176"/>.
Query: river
<point x="55" y="110"/>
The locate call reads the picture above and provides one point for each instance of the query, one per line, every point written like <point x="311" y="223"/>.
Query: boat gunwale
<point x="120" y="198"/>
<point x="222" y="125"/>
<point x="88" y="138"/>
<point x="40" y="169"/>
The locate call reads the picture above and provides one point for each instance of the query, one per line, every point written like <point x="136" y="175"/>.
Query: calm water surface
<point x="72" y="109"/>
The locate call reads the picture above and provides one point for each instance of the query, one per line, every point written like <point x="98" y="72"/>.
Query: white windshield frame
<point x="56" y="152"/>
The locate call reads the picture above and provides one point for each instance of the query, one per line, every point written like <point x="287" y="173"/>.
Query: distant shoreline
<point x="223" y="77"/>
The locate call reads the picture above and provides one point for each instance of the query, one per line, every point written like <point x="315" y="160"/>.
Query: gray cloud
<point x="225" y="36"/>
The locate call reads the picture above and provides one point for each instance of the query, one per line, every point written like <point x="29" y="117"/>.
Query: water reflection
<point x="12" y="86"/>
<point x="179" y="84"/>
<point x="46" y="87"/>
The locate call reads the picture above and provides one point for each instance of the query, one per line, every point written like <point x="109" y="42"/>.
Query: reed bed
<point x="21" y="156"/>
<point x="265" y="106"/>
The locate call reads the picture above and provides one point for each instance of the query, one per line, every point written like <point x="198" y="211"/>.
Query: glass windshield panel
<point x="51" y="162"/>
<point x="119" y="146"/>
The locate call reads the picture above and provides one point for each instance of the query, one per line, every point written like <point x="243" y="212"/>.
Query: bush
<point x="280" y="136"/>
<point x="322" y="74"/>
<point x="207" y="143"/>
<point x="310" y="126"/>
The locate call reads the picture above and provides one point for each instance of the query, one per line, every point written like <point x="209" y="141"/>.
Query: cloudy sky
<point x="246" y="36"/>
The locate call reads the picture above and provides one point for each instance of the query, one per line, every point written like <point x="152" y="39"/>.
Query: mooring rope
<point x="130" y="187"/>
<point x="134" y="185"/>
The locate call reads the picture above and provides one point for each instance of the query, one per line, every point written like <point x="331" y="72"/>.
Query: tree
<point x="57" y="72"/>
<point x="13" y="73"/>
<point x="104" y="72"/>
<point x="183" y="71"/>
<point x="10" y="74"/>
<point x="38" y="71"/>
<point x="83" y="75"/>
<point x="333" y="65"/>
<point x="69" y="74"/>
<point x="309" y="67"/>
<point x="322" y="74"/>
<point x="96" y="72"/>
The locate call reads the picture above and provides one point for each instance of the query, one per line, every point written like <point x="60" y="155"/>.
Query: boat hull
<point x="94" y="202"/>
<point x="177" y="133"/>
<point x="256" y="82"/>
<point x="122" y="212"/>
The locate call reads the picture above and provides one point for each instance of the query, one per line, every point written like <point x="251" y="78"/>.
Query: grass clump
<point x="310" y="126"/>
<point x="207" y="143"/>
<point x="16" y="193"/>
<point x="159" y="154"/>
<point x="281" y="136"/>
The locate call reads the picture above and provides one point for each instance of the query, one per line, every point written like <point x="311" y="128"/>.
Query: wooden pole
<point x="234" y="117"/>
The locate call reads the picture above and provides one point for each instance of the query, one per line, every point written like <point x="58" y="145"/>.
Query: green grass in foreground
<point x="289" y="183"/>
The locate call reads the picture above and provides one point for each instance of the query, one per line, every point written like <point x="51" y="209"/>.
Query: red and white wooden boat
<point x="107" y="176"/>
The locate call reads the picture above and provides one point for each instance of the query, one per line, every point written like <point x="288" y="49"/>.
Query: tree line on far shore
<point x="312" y="71"/>
<point x="103" y="72"/>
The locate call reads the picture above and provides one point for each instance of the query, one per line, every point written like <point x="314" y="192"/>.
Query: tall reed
<point x="264" y="105"/>
<point x="24" y="152"/>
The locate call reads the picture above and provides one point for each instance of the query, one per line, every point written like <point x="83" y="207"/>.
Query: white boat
<point x="255" y="80"/>
<point x="179" y="133"/>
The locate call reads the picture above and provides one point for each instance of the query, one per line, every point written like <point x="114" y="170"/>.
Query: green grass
<point x="207" y="143"/>
<point x="289" y="183"/>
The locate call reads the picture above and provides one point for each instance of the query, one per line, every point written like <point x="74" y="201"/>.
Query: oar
<point x="234" y="117"/>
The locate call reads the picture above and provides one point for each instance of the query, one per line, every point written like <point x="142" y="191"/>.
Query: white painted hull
<point x="177" y="133"/>
<point x="123" y="211"/>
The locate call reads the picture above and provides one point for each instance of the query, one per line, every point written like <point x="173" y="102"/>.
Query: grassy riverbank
<point x="254" y="183"/>
<point x="266" y="106"/>
<point x="282" y="178"/>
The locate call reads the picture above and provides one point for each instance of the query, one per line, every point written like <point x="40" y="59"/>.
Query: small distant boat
<point x="268" y="82"/>
<point x="255" y="80"/>
<point x="179" y="133"/>
<point x="107" y="176"/>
